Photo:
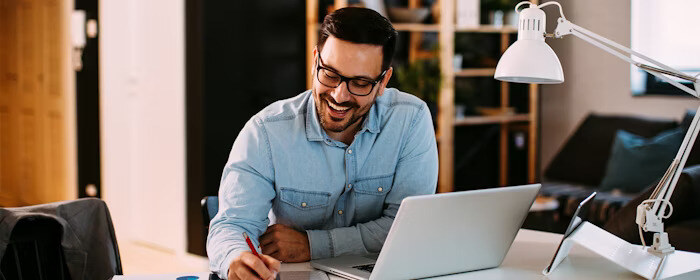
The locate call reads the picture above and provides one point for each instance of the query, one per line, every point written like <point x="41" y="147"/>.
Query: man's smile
<point x="336" y="111"/>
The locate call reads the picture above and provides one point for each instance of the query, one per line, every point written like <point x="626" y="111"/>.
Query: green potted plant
<point x="422" y="79"/>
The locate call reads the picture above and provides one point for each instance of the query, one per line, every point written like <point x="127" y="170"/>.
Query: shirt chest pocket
<point x="307" y="209"/>
<point x="370" y="195"/>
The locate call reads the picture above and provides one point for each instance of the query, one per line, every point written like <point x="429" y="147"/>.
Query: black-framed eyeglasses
<point x="356" y="86"/>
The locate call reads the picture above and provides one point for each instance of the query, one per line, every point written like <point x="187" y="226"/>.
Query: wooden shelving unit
<point x="417" y="27"/>
<point x="447" y="122"/>
<point x="488" y="29"/>
<point x="477" y="120"/>
<point x="421" y="27"/>
<point x="476" y="72"/>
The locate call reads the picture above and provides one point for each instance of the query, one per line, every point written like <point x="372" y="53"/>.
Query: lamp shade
<point x="530" y="59"/>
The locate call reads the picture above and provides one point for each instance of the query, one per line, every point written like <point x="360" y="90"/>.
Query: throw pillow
<point x="694" y="157"/>
<point x="583" y="157"/>
<point x="635" y="161"/>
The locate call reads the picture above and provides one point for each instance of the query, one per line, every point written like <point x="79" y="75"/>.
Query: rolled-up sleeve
<point x="416" y="174"/>
<point x="245" y="198"/>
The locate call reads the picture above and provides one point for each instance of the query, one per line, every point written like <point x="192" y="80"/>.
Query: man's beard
<point x="324" y="115"/>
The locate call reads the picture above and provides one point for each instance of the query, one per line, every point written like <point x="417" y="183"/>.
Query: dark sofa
<point x="579" y="168"/>
<point x="683" y="227"/>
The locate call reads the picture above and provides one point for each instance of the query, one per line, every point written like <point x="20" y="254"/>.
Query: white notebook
<point x="302" y="275"/>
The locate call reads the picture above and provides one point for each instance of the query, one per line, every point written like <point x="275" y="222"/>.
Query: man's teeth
<point x="337" y="108"/>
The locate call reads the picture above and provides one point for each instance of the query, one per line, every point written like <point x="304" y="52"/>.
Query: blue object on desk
<point x="187" y="278"/>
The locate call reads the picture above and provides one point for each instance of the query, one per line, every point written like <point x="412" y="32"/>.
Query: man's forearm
<point x="359" y="239"/>
<point x="223" y="245"/>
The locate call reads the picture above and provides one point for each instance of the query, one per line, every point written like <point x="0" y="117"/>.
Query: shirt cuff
<point x="227" y="263"/>
<point x="321" y="244"/>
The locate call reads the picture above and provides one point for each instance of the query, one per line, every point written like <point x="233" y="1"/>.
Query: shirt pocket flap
<point x="375" y="186"/>
<point x="304" y="199"/>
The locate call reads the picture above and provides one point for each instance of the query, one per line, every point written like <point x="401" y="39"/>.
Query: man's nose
<point x="341" y="93"/>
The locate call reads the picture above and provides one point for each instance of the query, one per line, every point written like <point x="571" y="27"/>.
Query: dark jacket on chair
<point x="88" y="240"/>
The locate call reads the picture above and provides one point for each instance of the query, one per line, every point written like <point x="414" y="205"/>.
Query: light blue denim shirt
<point x="345" y="197"/>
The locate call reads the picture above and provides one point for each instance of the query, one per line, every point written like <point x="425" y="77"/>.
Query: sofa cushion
<point x="694" y="157"/>
<point x="583" y="158"/>
<point x="636" y="161"/>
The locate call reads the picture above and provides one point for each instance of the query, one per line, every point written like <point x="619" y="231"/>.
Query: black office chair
<point x="35" y="247"/>
<point x="34" y="251"/>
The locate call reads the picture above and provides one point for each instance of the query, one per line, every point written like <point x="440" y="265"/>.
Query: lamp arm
<point x="660" y="198"/>
<point x="650" y="212"/>
<point x="565" y="27"/>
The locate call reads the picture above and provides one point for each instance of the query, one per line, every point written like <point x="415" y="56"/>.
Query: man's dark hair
<point x="361" y="26"/>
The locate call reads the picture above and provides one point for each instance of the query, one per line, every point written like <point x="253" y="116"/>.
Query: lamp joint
<point x="564" y="27"/>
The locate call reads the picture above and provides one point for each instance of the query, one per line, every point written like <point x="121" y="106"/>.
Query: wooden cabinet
<point x="446" y="120"/>
<point x="37" y="163"/>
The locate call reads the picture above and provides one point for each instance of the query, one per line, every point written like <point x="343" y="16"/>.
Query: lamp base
<point x="629" y="256"/>
<point x="661" y="245"/>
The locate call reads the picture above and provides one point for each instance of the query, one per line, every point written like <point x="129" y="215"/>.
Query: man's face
<point x="337" y="108"/>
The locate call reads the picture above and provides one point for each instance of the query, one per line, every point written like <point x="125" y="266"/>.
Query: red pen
<point x="255" y="252"/>
<point x="250" y="245"/>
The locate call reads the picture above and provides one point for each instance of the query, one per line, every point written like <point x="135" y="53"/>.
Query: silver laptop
<point x="443" y="234"/>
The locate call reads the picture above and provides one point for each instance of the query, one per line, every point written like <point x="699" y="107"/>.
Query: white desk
<point x="530" y="253"/>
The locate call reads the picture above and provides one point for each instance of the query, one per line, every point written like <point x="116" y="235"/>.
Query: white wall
<point x="595" y="81"/>
<point x="143" y="119"/>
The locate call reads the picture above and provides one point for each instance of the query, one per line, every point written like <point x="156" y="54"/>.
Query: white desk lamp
<point x="531" y="60"/>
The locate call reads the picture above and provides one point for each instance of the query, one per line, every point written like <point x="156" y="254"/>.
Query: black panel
<point x="476" y="157"/>
<point x="241" y="56"/>
<point x="88" y="105"/>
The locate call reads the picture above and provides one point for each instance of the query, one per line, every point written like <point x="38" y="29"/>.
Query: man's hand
<point x="285" y="244"/>
<point x="247" y="266"/>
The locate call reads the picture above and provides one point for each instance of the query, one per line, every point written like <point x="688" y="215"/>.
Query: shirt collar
<point x="314" y="131"/>
<point x="313" y="125"/>
<point x="371" y="122"/>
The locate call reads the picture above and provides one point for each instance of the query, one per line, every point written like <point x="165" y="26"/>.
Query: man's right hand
<point x="247" y="267"/>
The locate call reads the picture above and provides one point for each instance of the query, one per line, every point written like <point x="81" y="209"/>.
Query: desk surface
<point x="530" y="253"/>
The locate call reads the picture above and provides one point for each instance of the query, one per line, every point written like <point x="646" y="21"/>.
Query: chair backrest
<point x="210" y="206"/>
<point x="34" y="251"/>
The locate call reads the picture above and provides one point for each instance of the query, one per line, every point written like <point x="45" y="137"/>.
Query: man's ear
<point x="385" y="80"/>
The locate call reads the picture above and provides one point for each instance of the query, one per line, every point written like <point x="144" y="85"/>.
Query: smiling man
<point x="330" y="166"/>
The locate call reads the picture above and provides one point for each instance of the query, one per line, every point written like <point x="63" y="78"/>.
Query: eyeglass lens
<point x="355" y="86"/>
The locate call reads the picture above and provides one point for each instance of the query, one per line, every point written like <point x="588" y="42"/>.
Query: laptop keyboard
<point x="366" y="267"/>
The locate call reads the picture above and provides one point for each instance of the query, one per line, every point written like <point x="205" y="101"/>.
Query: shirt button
<point x="349" y="151"/>
<point x="380" y="189"/>
<point x="349" y="186"/>
<point x="303" y="204"/>
<point x="340" y="212"/>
